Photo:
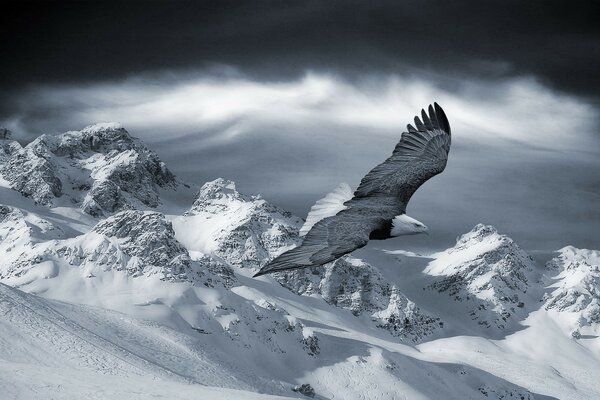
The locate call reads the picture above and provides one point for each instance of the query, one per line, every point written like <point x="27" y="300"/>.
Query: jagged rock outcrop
<point x="246" y="231"/>
<point x="141" y="243"/>
<point x="268" y="324"/>
<point x="352" y="284"/>
<point x="21" y="229"/>
<point x="7" y="146"/>
<point x="14" y="232"/>
<point x="489" y="272"/>
<point x="405" y="319"/>
<point x="148" y="238"/>
<point x="101" y="169"/>
<point x="349" y="283"/>
<point x="306" y="389"/>
<point x="576" y="287"/>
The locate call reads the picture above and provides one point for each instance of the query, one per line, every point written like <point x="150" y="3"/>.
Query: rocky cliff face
<point x="489" y="272"/>
<point x="7" y="146"/>
<point x="101" y="169"/>
<point x="141" y="243"/>
<point x="575" y="288"/>
<point x="191" y="272"/>
<point x="355" y="285"/>
<point x="246" y="231"/>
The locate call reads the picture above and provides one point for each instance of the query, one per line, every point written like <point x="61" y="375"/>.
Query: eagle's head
<point x="405" y="225"/>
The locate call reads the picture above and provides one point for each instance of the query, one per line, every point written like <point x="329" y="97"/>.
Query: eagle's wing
<point x="421" y="154"/>
<point x="332" y="237"/>
<point x="383" y="194"/>
<point x="328" y="206"/>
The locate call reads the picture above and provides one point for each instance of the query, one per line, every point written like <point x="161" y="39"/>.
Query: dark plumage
<point x="382" y="195"/>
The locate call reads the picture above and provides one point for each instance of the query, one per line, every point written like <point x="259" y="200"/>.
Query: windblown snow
<point x="119" y="281"/>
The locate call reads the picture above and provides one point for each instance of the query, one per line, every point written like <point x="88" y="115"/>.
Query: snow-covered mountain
<point x="246" y="231"/>
<point x="575" y="289"/>
<point x="119" y="277"/>
<point x="490" y="273"/>
<point x="101" y="169"/>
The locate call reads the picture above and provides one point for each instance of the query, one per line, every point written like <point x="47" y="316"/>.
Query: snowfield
<point x="144" y="290"/>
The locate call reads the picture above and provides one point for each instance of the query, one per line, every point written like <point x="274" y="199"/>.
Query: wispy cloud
<point x="521" y="152"/>
<point x="519" y="109"/>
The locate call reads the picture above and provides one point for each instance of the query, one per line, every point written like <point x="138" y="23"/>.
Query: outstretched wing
<point x="327" y="206"/>
<point x="382" y="194"/>
<point x="421" y="154"/>
<point x="332" y="237"/>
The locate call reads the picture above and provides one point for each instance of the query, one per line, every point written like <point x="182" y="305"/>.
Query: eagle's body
<point x="341" y="222"/>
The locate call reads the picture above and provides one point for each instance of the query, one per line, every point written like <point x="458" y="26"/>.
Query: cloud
<point x="524" y="157"/>
<point x="554" y="40"/>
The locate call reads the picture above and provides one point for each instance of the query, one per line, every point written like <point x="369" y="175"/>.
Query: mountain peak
<point x="576" y="287"/>
<point x="479" y="233"/>
<point x="8" y="146"/>
<point x="102" y="126"/>
<point x="218" y="188"/>
<point x="489" y="271"/>
<point x="102" y="169"/>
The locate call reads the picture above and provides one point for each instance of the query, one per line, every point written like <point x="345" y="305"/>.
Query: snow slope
<point x="66" y="351"/>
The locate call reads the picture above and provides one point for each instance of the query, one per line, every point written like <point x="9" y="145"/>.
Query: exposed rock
<point x="304" y="389"/>
<point x="489" y="272"/>
<point x="577" y="285"/>
<point x="31" y="172"/>
<point x="349" y="283"/>
<point x="272" y="327"/>
<point x="150" y="238"/>
<point x="246" y="231"/>
<point x="352" y="284"/>
<point x="140" y="243"/>
<point x="403" y="318"/>
<point x="211" y="272"/>
<point x="101" y="168"/>
<point x="7" y="146"/>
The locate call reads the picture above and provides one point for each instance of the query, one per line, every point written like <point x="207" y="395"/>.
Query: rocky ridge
<point x="101" y="169"/>
<point x="246" y="231"/>
<point x="575" y="287"/>
<point x="490" y="272"/>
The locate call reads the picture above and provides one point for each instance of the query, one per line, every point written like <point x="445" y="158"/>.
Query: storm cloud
<point x="556" y="41"/>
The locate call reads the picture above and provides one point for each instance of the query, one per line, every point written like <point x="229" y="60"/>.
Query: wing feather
<point x="327" y="206"/>
<point x="332" y="237"/>
<point x="421" y="153"/>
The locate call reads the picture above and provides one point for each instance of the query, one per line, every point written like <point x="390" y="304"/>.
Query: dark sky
<point x="81" y="41"/>
<point x="289" y="98"/>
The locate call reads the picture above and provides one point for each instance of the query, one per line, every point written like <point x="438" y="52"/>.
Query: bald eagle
<point x="343" y="222"/>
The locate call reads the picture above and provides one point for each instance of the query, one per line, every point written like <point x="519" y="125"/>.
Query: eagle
<point x="343" y="222"/>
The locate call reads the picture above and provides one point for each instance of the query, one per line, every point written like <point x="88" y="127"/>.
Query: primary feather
<point x="383" y="194"/>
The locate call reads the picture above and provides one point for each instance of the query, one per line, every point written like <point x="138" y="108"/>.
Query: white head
<point x="405" y="225"/>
